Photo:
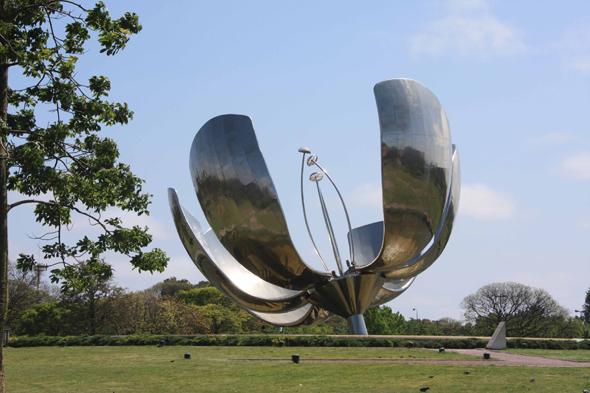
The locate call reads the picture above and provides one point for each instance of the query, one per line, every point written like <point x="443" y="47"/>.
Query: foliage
<point x="586" y="308"/>
<point x="170" y="287"/>
<point x="66" y="163"/>
<point x="24" y="292"/>
<point x="528" y="312"/>
<point x="220" y="312"/>
<point x="381" y="320"/>
<point x="221" y="319"/>
<point x="206" y="296"/>
<point x="244" y="340"/>
<point x="46" y="318"/>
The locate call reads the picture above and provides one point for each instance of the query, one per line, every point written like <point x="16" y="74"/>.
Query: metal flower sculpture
<point x="248" y="253"/>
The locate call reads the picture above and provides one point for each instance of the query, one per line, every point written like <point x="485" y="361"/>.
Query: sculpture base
<point x="356" y="325"/>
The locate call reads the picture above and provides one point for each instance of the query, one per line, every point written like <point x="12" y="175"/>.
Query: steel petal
<point x="225" y="273"/>
<point x="240" y="202"/>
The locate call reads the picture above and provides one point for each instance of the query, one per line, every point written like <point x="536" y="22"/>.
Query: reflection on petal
<point x="415" y="154"/>
<point x="423" y="262"/>
<point x="307" y="315"/>
<point x="241" y="204"/>
<point x="226" y="274"/>
<point x="391" y="290"/>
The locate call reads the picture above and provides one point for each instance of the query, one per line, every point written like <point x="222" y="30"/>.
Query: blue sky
<point x="513" y="77"/>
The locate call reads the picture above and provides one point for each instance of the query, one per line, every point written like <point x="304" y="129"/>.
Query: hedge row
<point x="291" y="341"/>
<point x="548" y="344"/>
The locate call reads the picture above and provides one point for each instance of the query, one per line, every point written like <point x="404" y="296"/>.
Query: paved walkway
<point x="497" y="358"/>
<point x="513" y="359"/>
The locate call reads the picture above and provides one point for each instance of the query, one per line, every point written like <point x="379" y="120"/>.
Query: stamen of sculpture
<point x="248" y="253"/>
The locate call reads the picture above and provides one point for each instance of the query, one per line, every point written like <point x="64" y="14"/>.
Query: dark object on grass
<point x="532" y="379"/>
<point x="410" y="344"/>
<point x="281" y="343"/>
<point x="172" y="361"/>
<point x="441" y="350"/>
<point x="64" y="343"/>
<point x="523" y="345"/>
<point x="585" y="391"/>
<point x="424" y="389"/>
<point x="486" y="355"/>
<point x="467" y="372"/>
<point x="162" y="343"/>
<point x="295" y="358"/>
<point x="187" y="355"/>
<point x="431" y="376"/>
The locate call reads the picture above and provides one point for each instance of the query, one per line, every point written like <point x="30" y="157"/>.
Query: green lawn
<point x="151" y="369"/>
<point x="580" y="355"/>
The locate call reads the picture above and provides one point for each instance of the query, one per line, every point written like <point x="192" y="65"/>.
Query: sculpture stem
<point x="330" y="230"/>
<point x="305" y="217"/>
<point x="345" y="211"/>
<point x="356" y="325"/>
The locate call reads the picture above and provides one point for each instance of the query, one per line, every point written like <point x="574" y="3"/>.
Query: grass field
<point x="151" y="369"/>
<point x="578" y="356"/>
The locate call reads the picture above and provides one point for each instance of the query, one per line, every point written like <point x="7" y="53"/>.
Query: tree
<point x="23" y="294"/>
<point x="586" y="308"/>
<point x="206" y="296"/>
<point x="64" y="167"/>
<point x="528" y="312"/>
<point x="93" y="303"/>
<point x="170" y="287"/>
<point x="381" y="320"/>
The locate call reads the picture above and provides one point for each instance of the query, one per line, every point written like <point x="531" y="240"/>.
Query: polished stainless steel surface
<point x="356" y="325"/>
<point x="416" y="169"/>
<point x="368" y="240"/>
<point x="391" y="290"/>
<point x="240" y="202"/>
<point x="224" y="272"/>
<point x="307" y="315"/>
<point x="347" y="295"/>
<point x="248" y="253"/>
<point x="422" y="262"/>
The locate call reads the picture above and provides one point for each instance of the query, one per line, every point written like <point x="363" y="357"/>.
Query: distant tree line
<point x="176" y="306"/>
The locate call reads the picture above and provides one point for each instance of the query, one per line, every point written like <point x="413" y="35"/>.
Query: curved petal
<point x="391" y="290"/>
<point x="416" y="168"/>
<point x="307" y="315"/>
<point x="226" y="274"/>
<point x="368" y="241"/>
<point x="241" y="204"/>
<point x="423" y="262"/>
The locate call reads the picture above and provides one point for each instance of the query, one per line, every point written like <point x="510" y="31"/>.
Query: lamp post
<point x="415" y="309"/>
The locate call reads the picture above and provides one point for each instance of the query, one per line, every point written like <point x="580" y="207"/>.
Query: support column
<point x="356" y="325"/>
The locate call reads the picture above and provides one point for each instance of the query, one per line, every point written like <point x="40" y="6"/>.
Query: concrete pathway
<point x="497" y="358"/>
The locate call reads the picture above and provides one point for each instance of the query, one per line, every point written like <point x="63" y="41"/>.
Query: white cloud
<point x="481" y="202"/>
<point x="469" y="30"/>
<point x="550" y="139"/>
<point x="575" y="167"/>
<point x="575" y="47"/>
